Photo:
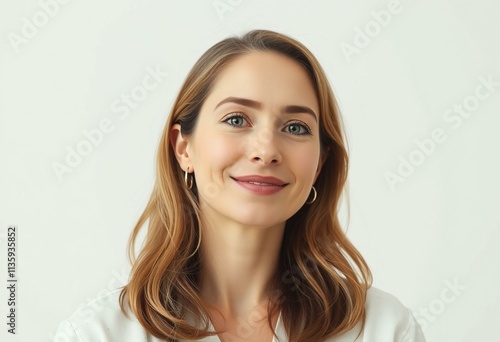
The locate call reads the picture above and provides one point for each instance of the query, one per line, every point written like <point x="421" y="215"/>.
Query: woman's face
<point x="260" y="119"/>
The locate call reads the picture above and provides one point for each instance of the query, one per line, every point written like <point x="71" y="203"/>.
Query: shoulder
<point x="387" y="319"/>
<point x="102" y="320"/>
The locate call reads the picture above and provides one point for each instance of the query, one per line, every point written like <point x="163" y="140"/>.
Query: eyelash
<point x="243" y="116"/>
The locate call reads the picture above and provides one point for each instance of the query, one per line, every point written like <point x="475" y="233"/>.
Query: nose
<point x="263" y="148"/>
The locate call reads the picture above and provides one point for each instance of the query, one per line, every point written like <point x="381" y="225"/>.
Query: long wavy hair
<point x="322" y="280"/>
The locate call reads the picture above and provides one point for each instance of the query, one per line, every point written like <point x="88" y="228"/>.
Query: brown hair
<point x="322" y="280"/>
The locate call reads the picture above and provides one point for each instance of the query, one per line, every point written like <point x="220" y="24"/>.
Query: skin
<point x="243" y="233"/>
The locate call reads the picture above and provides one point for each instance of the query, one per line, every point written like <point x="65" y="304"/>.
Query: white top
<point x="103" y="321"/>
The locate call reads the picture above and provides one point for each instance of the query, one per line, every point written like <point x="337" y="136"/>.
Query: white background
<point x="431" y="240"/>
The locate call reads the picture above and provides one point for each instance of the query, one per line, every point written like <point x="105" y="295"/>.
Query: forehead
<point x="267" y="77"/>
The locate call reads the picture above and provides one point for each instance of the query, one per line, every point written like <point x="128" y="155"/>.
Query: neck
<point x="237" y="265"/>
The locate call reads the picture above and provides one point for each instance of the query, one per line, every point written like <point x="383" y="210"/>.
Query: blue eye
<point x="236" y="120"/>
<point x="295" y="128"/>
<point x="298" y="128"/>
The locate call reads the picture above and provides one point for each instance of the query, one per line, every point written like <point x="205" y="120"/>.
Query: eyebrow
<point x="292" y="109"/>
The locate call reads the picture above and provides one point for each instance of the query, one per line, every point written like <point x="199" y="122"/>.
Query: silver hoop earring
<point x="188" y="179"/>
<point x="314" y="197"/>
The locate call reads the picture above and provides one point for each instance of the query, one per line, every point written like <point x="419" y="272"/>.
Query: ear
<point x="322" y="159"/>
<point x="181" y="147"/>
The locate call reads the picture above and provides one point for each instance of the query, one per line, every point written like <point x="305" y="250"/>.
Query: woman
<point x="244" y="241"/>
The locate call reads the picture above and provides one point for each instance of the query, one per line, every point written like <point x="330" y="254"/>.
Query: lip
<point x="260" y="179"/>
<point x="269" y="186"/>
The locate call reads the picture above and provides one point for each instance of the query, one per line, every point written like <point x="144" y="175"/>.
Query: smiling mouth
<point x="265" y="184"/>
<point x="259" y="183"/>
<point x="260" y="188"/>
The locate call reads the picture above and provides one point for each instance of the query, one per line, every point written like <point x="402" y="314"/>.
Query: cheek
<point x="214" y="151"/>
<point x="304" y="160"/>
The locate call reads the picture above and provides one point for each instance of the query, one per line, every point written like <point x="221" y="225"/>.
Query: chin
<point x="259" y="219"/>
